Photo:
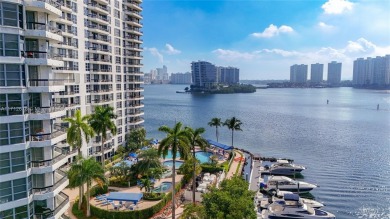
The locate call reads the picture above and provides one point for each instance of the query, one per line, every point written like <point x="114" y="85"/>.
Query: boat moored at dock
<point x="285" y="183"/>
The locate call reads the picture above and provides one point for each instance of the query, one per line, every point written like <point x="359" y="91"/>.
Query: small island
<point x="223" y="89"/>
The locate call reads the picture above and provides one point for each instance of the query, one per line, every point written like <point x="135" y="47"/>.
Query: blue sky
<point x="263" y="37"/>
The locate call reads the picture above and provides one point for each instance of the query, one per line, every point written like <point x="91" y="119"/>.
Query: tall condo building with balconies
<point x="372" y="71"/>
<point x="204" y="74"/>
<point x="298" y="73"/>
<point x="334" y="73"/>
<point x="316" y="73"/>
<point x="57" y="57"/>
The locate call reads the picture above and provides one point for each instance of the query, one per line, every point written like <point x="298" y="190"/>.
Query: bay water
<point x="344" y="144"/>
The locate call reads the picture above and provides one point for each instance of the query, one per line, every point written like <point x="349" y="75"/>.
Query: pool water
<point x="203" y="156"/>
<point x="169" y="155"/>
<point x="169" y="164"/>
<point x="163" y="187"/>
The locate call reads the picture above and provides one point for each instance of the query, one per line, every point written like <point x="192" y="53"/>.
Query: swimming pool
<point x="169" y="164"/>
<point x="203" y="156"/>
<point x="127" y="162"/>
<point x="169" y="155"/>
<point x="163" y="187"/>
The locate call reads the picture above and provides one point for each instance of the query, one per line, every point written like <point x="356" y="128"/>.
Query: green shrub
<point x="119" y="183"/>
<point x="97" y="190"/>
<point x="207" y="168"/>
<point x="153" y="196"/>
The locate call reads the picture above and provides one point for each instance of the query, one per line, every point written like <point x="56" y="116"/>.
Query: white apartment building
<point x="57" y="57"/>
<point x="298" y="73"/>
<point x="334" y="73"/>
<point x="316" y="73"/>
<point x="372" y="71"/>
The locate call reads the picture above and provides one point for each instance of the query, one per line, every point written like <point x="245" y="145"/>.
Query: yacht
<point x="284" y="167"/>
<point x="312" y="203"/>
<point x="293" y="208"/>
<point x="287" y="184"/>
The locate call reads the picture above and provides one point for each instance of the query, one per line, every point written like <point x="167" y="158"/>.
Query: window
<point x="118" y="69"/>
<point x="14" y="133"/>
<point x="117" y="60"/>
<point x="12" y="75"/>
<point x="119" y="96"/>
<point x="9" y="45"/>
<point x="117" y="23"/>
<point x="11" y="14"/>
<point x="119" y="139"/>
<point x="117" y="42"/>
<point x="118" y="78"/>
<point x="117" y="32"/>
<point x="12" y="104"/>
<point x="118" y="87"/>
<point x="13" y="190"/>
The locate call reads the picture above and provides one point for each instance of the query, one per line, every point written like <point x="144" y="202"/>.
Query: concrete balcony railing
<point x="42" y="190"/>
<point x="100" y="70"/>
<point x="100" y="91"/>
<point x="40" y="55"/>
<point x="47" y="109"/>
<point x="52" y="213"/>
<point x="41" y="136"/>
<point x="43" y="26"/>
<point x="62" y="153"/>
<point x="94" y="26"/>
<point x="74" y="68"/>
<point x="101" y="7"/>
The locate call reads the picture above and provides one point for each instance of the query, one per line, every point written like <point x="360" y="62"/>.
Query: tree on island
<point x="217" y="123"/>
<point x="177" y="141"/>
<point x="196" y="139"/>
<point x="233" y="124"/>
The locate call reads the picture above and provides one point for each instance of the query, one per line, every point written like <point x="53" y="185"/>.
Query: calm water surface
<point x="345" y="144"/>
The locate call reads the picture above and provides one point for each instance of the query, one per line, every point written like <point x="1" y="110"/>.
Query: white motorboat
<point x="312" y="203"/>
<point x="285" y="183"/>
<point x="284" y="167"/>
<point x="293" y="208"/>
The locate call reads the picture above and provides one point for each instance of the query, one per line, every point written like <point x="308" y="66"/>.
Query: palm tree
<point x="101" y="122"/>
<point x="176" y="140"/>
<point x="149" y="164"/>
<point x="147" y="184"/>
<point x="233" y="124"/>
<point x="217" y="123"/>
<point x="196" y="139"/>
<point x="86" y="171"/>
<point x="79" y="129"/>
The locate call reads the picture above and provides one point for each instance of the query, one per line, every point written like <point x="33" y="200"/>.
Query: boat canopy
<point x="217" y="144"/>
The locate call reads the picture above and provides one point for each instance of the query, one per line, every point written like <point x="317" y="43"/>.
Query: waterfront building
<point x="228" y="75"/>
<point x="317" y="73"/>
<point x="204" y="74"/>
<point x="298" y="73"/>
<point x="57" y="57"/>
<point x="372" y="71"/>
<point x="162" y="72"/>
<point x="181" y="78"/>
<point x="334" y="73"/>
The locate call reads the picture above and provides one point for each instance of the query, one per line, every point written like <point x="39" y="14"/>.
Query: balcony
<point x="99" y="8"/>
<point x="99" y="29"/>
<point x="98" y="19"/>
<point x="97" y="60"/>
<point x="50" y="165"/>
<point x="133" y="30"/>
<point x="135" y="113"/>
<point x="45" y="113"/>
<point x="42" y="139"/>
<point x="135" y="105"/>
<point x="136" y="89"/>
<point x="65" y="19"/>
<point x="132" y="4"/>
<point x="42" y="58"/>
<point x="48" y="85"/>
<point x="43" y="193"/>
<point x="133" y="22"/>
<point x="99" y="39"/>
<point x="65" y="6"/>
<point x="59" y="210"/>
<point x="47" y="6"/>
<point x="43" y="31"/>
<point x="135" y="121"/>
<point x="133" y="13"/>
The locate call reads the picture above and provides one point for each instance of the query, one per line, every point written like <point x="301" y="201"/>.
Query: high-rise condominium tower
<point x="372" y="71"/>
<point x="204" y="74"/>
<point x="298" y="73"/>
<point x="334" y="73"/>
<point x="57" y="57"/>
<point x="317" y="73"/>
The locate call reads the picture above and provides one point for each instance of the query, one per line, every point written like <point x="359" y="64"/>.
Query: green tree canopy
<point x="233" y="124"/>
<point x="217" y="123"/>
<point x="232" y="200"/>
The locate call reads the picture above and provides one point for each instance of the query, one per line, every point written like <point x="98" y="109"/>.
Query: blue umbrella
<point x="133" y="155"/>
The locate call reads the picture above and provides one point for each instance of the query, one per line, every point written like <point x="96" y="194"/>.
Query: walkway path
<point x="234" y="166"/>
<point x="254" y="183"/>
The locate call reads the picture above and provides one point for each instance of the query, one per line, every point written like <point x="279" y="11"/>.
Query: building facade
<point x="334" y="73"/>
<point x="316" y="73"/>
<point x="181" y="78"/>
<point x="58" y="57"/>
<point x="204" y="74"/>
<point x="372" y="71"/>
<point x="298" y="73"/>
<point x="228" y="75"/>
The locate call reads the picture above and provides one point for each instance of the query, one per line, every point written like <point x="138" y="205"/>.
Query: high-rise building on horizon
<point x="181" y="78"/>
<point x="316" y="73"/>
<point x="334" y="73"/>
<point x="58" y="57"/>
<point x="228" y="75"/>
<point x="204" y="74"/>
<point x="372" y="71"/>
<point x="298" y="73"/>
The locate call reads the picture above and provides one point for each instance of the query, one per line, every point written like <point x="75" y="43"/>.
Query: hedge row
<point x="207" y="168"/>
<point x="144" y="213"/>
<point x="153" y="196"/>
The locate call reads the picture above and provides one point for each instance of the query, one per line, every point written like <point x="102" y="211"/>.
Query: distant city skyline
<point x="253" y="36"/>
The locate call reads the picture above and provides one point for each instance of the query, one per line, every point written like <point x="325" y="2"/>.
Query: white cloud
<point x="231" y="55"/>
<point x="325" y="26"/>
<point x="337" y="6"/>
<point x="170" y="50"/>
<point x="154" y="52"/>
<point x="282" y="52"/>
<point x="272" y="31"/>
